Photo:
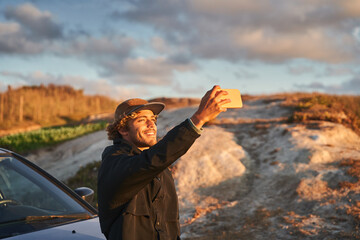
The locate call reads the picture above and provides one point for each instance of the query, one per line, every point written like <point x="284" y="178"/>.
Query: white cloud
<point x="118" y="47"/>
<point x="148" y="71"/>
<point x="351" y="86"/>
<point x="270" y="31"/>
<point x="350" y="7"/>
<point x="29" y="30"/>
<point x="226" y="7"/>
<point x="188" y="90"/>
<point x="356" y="33"/>
<point x="7" y="29"/>
<point x="278" y="47"/>
<point x="300" y="69"/>
<point x="38" y="24"/>
<point x="13" y="40"/>
<point x="334" y="71"/>
<point x="245" y="74"/>
<point x="159" y="45"/>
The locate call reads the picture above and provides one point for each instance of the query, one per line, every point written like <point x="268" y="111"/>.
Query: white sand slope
<point x="291" y="186"/>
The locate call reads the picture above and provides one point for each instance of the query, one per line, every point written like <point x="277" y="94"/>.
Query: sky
<point x="181" y="48"/>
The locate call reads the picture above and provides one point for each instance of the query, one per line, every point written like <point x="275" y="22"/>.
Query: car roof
<point x="3" y="150"/>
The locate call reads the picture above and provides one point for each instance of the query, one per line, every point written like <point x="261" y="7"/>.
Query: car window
<point x="17" y="187"/>
<point x="24" y="192"/>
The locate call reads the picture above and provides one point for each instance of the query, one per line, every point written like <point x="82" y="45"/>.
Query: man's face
<point x="142" y="130"/>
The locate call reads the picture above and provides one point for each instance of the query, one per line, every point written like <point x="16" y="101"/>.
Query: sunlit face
<point x="142" y="130"/>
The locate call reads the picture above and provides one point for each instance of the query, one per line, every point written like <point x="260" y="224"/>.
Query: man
<point x="136" y="192"/>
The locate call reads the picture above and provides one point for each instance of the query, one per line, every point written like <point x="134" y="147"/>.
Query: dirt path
<point x="64" y="160"/>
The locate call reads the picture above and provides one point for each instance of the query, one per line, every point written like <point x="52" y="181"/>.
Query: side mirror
<point x="85" y="193"/>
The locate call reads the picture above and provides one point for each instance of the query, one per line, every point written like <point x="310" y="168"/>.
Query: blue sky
<point x="181" y="48"/>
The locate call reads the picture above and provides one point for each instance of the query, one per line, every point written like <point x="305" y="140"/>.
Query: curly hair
<point x="114" y="127"/>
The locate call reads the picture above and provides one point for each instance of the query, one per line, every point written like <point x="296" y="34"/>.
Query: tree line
<point x="49" y="105"/>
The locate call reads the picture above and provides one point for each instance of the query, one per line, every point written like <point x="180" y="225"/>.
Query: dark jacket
<point x="136" y="192"/>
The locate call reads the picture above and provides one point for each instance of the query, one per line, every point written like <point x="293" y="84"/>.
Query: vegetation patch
<point x="86" y="177"/>
<point x="353" y="188"/>
<point x="25" y="142"/>
<point x="323" y="107"/>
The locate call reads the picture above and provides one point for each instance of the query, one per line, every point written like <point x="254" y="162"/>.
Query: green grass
<point x="29" y="141"/>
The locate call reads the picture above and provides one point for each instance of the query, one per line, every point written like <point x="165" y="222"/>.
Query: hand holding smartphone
<point x="235" y="97"/>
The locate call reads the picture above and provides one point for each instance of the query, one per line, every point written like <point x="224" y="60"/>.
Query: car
<point x="35" y="205"/>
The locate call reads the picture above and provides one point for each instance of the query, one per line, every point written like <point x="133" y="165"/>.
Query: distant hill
<point x="172" y="103"/>
<point x="51" y="105"/>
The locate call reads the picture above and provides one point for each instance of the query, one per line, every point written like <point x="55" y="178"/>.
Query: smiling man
<point x="136" y="192"/>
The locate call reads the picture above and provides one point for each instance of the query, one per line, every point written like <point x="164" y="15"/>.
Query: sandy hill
<point x="252" y="175"/>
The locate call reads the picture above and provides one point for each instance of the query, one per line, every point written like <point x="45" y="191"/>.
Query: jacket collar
<point x="129" y="147"/>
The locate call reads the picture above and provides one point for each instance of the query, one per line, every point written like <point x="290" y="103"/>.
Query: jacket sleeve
<point x="122" y="176"/>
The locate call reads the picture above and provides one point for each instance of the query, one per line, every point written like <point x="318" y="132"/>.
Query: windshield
<point x="24" y="193"/>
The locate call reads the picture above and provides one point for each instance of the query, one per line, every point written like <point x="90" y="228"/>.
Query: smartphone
<point x="235" y="96"/>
